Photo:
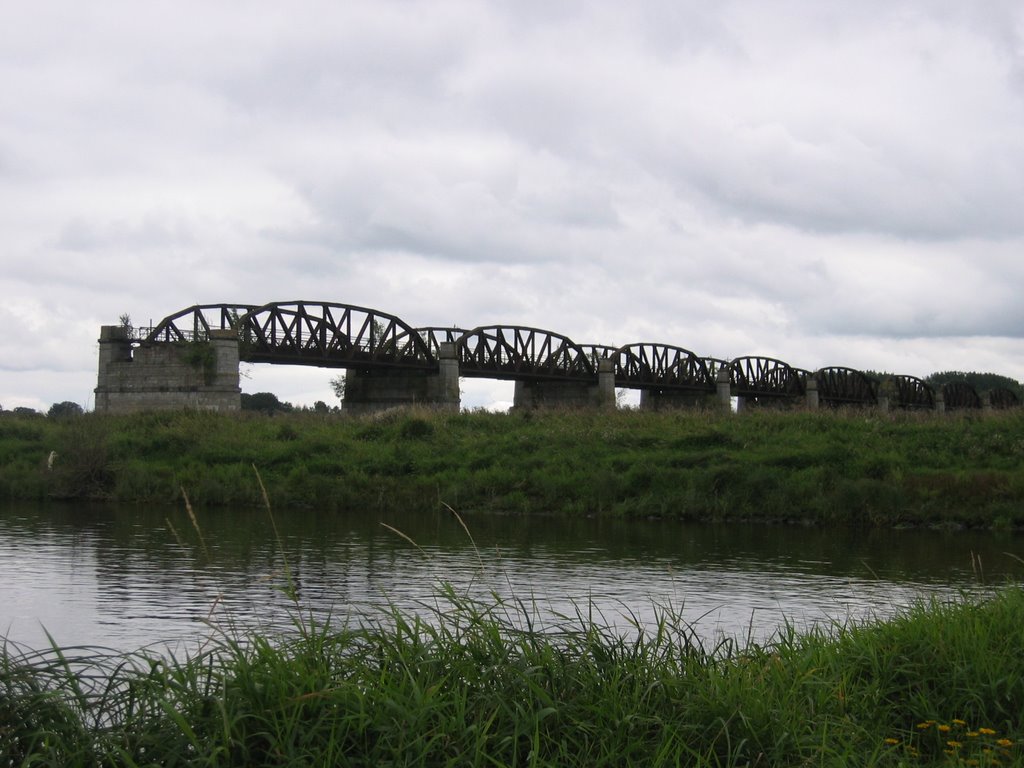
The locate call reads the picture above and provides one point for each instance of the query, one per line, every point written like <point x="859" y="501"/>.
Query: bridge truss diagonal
<point x="523" y="353"/>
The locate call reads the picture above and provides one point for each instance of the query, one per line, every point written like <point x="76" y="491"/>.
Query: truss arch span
<point x="523" y="353"/>
<point x="1002" y="398"/>
<point x="331" y="335"/>
<point x="662" y="366"/>
<point x="910" y="392"/>
<point x="838" y="385"/>
<point x="195" y="323"/>
<point x="959" y="395"/>
<point x="765" y="378"/>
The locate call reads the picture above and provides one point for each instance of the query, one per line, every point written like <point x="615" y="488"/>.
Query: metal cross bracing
<point x="434" y="336"/>
<point x="846" y="386"/>
<point x="195" y="323"/>
<point x="518" y="352"/>
<point x="1003" y="398"/>
<point x="332" y="336"/>
<point x="597" y="352"/>
<point x="714" y="365"/>
<point x="662" y="367"/>
<point x="911" y="392"/>
<point x="765" y="377"/>
<point x="959" y="395"/>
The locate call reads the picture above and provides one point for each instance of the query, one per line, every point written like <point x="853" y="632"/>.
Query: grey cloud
<point x="799" y="180"/>
<point x="152" y="233"/>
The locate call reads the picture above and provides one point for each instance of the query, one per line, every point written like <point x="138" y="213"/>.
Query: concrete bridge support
<point x="812" y="393"/>
<point x="370" y="391"/>
<point x="167" y="376"/>
<point x="659" y="399"/>
<point x="723" y="389"/>
<point x="568" y="394"/>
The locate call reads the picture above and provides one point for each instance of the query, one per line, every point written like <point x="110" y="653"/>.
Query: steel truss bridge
<point x="332" y="335"/>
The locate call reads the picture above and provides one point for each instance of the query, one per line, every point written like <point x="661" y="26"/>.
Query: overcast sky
<point x="828" y="183"/>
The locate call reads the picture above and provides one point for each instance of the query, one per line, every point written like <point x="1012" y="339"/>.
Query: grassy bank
<point x="823" y="468"/>
<point x="472" y="684"/>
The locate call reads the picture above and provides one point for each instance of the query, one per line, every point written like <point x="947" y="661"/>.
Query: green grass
<point x="824" y="468"/>
<point x="472" y="683"/>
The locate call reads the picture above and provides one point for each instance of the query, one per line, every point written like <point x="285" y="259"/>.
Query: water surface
<point x="128" y="577"/>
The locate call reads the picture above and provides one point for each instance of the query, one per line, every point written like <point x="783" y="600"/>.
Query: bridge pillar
<point x="557" y="394"/>
<point x="167" y="375"/>
<point x="723" y="388"/>
<point x="883" y="403"/>
<point x="568" y="394"/>
<point x="657" y="399"/>
<point x="606" y="384"/>
<point x="940" y="403"/>
<point x="812" y="393"/>
<point x="373" y="390"/>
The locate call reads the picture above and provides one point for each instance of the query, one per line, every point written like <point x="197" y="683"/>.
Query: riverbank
<point x="471" y="683"/>
<point x="820" y="468"/>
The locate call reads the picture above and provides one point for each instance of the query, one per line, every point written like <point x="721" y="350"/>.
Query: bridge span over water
<point x="191" y="359"/>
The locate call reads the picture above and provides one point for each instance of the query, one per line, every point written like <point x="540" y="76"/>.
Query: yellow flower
<point x="891" y="740"/>
<point x="986" y="731"/>
<point x="944" y="728"/>
<point x="954" y="744"/>
<point x="957" y="721"/>
<point x="1004" y="743"/>
<point x="925" y="725"/>
<point x="972" y="734"/>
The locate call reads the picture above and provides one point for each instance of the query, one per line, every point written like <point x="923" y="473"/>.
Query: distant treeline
<point x="981" y="382"/>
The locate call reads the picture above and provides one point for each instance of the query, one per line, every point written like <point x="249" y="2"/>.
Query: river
<point x="132" y="577"/>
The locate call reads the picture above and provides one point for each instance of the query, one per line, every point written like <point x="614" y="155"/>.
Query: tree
<point x="338" y="386"/>
<point x="64" y="409"/>
<point x="264" y="402"/>
<point x="982" y="382"/>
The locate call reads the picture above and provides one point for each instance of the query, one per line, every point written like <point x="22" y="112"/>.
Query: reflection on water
<point x="127" y="577"/>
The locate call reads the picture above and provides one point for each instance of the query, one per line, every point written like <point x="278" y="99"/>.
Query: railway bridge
<point x="191" y="359"/>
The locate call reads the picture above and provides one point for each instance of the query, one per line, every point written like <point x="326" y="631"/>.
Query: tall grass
<point x="468" y="682"/>
<point x="827" y="468"/>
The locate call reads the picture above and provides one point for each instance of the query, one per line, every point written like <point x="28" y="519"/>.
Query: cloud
<point x="821" y="181"/>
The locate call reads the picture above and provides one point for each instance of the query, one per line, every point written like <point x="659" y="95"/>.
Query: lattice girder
<point x="195" y="323"/>
<point x="754" y="377"/>
<point x="957" y="395"/>
<point x="1001" y="398"/>
<point x="332" y="336"/>
<point x="912" y="392"/>
<point x="434" y="336"/>
<point x="597" y="352"/>
<point x="838" y="385"/>
<point x="662" y="366"/>
<point x="519" y="352"/>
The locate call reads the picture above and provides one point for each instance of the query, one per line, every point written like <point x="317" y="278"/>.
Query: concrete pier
<point x="662" y="399"/>
<point x="723" y="389"/>
<point x="568" y="394"/>
<point x="373" y="390"/>
<point x="811" y="393"/>
<point x="202" y="375"/>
